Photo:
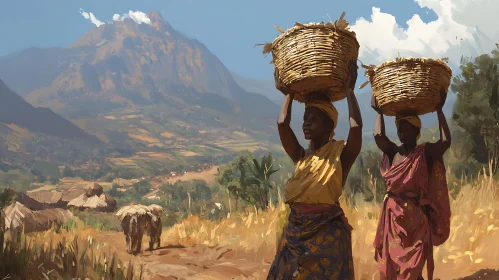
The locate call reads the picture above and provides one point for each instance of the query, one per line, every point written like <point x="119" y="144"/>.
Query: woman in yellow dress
<point x="316" y="242"/>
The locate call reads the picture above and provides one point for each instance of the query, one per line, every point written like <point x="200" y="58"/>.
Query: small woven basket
<point x="314" y="57"/>
<point x="409" y="85"/>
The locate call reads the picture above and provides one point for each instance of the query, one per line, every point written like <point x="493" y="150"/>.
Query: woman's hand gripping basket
<point x="409" y="86"/>
<point x="313" y="58"/>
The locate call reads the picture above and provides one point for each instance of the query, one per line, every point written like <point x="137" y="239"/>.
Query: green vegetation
<point x="247" y="179"/>
<point x="16" y="179"/>
<point x="477" y="109"/>
<point x="99" y="221"/>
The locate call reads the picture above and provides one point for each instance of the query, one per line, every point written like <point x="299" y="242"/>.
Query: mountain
<point x="143" y="84"/>
<point x="15" y="110"/>
<point x="37" y="141"/>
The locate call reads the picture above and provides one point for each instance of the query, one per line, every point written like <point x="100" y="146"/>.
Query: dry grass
<point x="70" y="252"/>
<point x="208" y="176"/>
<point x="144" y="138"/>
<point x="186" y="153"/>
<point x="472" y="244"/>
<point x="42" y="188"/>
<point x="241" y="145"/>
<point x="167" y="134"/>
<point x="128" y="162"/>
<point x="18" y="130"/>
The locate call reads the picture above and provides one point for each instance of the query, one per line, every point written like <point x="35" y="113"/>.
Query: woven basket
<point x="314" y="58"/>
<point x="409" y="85"/>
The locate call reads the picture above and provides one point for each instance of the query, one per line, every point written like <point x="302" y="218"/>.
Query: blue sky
<point x="230" y="29"/>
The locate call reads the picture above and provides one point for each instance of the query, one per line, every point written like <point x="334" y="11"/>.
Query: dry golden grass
<point x="206" y="175"/>
<point x="472" y="244"/>
<point x="189" y="153"/>
<point x="18" y="130"/>
<point x="123" y="162"/>
<point x="144" y="138"/>
<point x="240" y="134"/>
<point x="70" y="252"/>
<point x="167" y="134"/>
<point x="42" y="188"/>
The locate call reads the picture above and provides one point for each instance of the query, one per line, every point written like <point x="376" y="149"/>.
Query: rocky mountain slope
<point x="145" y="84"/>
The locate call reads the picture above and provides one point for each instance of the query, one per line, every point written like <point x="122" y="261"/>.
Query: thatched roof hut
<point x="48" y="198"/>
<point x="93" y="189"/>
<point x="71" y="193"/>
<point x="20" y="217"/>
<point x="11" y="195"/>
<point x="130" y="210"/>
<point x="54" y="198"/>
<point x="102" y="203"/>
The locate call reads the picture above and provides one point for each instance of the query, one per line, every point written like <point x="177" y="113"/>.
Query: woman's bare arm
<point x="382" y="141"/>
<point x="437" y="150"/>
<point x="288" y="138"/>
<point x="354" y="141"/>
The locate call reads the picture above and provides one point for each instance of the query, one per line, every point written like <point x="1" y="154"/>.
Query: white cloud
<point x="92" y="18"/>
<point x="137" y="16"/>
<point x="473" y="21"/>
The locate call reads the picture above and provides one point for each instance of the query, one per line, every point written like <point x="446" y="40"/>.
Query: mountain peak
<point x="155" y="16"/>
<point x="158" y="22"/>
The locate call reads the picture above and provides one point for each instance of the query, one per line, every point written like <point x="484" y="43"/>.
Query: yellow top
<point x="318" y="178"/>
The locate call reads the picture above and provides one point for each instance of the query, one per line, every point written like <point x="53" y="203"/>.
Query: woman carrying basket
<point x="316" y="243"/>
<point x="415" y="215"/>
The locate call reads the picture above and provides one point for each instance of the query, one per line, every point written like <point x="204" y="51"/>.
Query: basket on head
<point x="314" y="57"/>
<point x="409" y="85"/>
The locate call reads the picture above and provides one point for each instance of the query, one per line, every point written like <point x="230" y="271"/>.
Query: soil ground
<point x="210" y="263"/>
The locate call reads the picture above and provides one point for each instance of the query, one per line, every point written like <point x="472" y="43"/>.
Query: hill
<point x="143" y="85"/>
<point x="15" y="110"/>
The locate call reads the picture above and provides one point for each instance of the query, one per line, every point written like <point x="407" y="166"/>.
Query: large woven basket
<point x="409" y="85"/>
<point x="314" y="57"/>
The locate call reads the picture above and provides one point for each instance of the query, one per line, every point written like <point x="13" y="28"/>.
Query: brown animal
<point x="133" y="219"/>
<point x="154" y="226"/>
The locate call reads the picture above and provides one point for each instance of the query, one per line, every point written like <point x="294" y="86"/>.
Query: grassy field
<point x="66" y="183"/>
<point x="470" y="247"/>
<point x="208" y="176"/>
<point x="250" y="145"/>
<point x="69" y="252"/>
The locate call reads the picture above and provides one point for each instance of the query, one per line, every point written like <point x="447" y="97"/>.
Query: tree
<point x="477" y="107"/>
<point x="234" y="175"/>
<point x="67" y="172"/>
<point x="258" y="182"/>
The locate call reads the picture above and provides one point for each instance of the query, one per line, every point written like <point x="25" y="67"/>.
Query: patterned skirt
<point x="315" y="246"/>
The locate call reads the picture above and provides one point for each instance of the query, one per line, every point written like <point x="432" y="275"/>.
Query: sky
<point x="230" y="29"/>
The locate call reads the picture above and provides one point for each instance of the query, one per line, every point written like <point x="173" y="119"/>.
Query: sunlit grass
<point x="472" y="244"/>
<point x="70" y="252"/>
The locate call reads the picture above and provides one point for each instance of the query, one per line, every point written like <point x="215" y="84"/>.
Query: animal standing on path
<point x="154" y="226"/>
<point x="133" y="221"/>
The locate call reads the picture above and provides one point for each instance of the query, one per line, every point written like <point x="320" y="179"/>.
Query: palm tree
<point x="258" y="180"/>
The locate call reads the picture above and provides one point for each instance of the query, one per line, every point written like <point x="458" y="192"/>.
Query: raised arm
<point x="354" y="141"/>
<point x="288" y="138"/>
<point x="382" y="141"/>
<point x="437" y="150"/>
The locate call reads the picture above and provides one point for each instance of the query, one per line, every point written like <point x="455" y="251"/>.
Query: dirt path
<point x="197" y="262"/>
<point x="210" y="263"/>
